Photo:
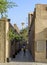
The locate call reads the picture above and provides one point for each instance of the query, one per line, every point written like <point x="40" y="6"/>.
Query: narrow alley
<point x="21" y="57"/>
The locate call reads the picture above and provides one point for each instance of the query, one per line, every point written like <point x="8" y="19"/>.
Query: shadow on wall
<point x="41" y="35"/>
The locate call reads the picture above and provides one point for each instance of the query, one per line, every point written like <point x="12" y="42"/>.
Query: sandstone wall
<point x="40" y="33"/>
<point x="2" y="40"/>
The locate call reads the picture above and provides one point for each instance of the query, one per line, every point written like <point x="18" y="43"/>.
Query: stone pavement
<point x="23" y="63"/>
<point x="21" y="57"/>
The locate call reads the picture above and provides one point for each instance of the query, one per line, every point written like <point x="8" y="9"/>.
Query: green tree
<point x="24" y="33"/>
<point x="5" y="5"/>
<point x="13" y="35"/>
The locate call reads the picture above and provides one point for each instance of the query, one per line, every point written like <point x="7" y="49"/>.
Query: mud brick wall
<point x="2" y="41"/>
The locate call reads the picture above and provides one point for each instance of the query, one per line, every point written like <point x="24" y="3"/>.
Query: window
<point x="40" y="46"/>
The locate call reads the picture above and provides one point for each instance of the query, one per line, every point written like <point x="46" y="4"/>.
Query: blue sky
<point x="20" y="14"/>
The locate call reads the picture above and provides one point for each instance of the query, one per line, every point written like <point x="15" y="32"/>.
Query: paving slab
<point x="21" y="57"/>
<point x="23" y="63"/>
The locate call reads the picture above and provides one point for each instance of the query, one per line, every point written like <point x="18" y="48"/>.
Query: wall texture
<point x="2" y="40"/>
<point x="7" y="49"/>
<point x="38" y="33"/>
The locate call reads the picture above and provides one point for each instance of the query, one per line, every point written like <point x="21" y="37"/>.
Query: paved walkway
<point x="23" y="63"/>
<point x="21" y="57"/>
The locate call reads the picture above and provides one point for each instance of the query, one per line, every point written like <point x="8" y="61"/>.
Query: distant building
<point x="17" y="29"/>
<point x="30" y="15"/>
<point x="38" y="33"/>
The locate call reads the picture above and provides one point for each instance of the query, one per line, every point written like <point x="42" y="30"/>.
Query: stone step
<point x="23" y="63"/>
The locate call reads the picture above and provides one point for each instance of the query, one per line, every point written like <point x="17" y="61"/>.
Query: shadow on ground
<point x="21" y="57"/>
